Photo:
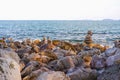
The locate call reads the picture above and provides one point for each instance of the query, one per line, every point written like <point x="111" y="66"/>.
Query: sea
<point x="105" y="32"/>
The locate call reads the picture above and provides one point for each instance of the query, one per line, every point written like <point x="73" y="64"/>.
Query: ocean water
<point x="105" y="32"/>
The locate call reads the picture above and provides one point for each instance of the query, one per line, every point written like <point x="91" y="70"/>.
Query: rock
<point x="88" y="39"/>
<point x="9" y="69"/>
<point x="22" y="65"/>
<point x="90" y="52"/>
<point x="77" y="60"/>
<point x="12" y="45"/>
<point x="87" y="60"/>
<point x="78" y="47"/>
<point x="110" y="52"/>
<point x="117" y="43"/>
<point x="28" y="42"/>
<point x="50" y="54"/>
<point x="22" y="51"/>
<point x="66" y="63"/>
<point x="98" y="62"/>
<point x="35" y="48"/>
<point x="33" y="57"/>
<point x="36" y="42"/>
<point x="56" y="42"/>
<point x="33" y="75"/>
<point x="83" y="74"/>
<point x="111" y="73"/>
<point x="63" y="64"/>
<point x="52" y="75"/>
<point x="117" y="51"/>
<point x="90" y="32"/>
<point x="9" y="54"/>
<point x="39" y="58"/>
<point x="17" y="44"/>
<point x="50" y="45"/>
<point x="115" y="59"/>
<point x="31" y="66"/>
<point x="67" y="46"/>
<point x="62" y="53"/>
<point x="102" y="48"/>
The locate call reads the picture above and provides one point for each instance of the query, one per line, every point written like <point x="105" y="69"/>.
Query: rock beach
<point x="45" y="59"/>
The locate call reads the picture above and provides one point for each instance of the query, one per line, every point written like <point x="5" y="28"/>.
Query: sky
<point x="59" y="9"/>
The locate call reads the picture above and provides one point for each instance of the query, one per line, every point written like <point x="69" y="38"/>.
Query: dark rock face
<point x="111" y="73"/>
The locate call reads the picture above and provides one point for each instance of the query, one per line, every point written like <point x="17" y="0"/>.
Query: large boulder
<point x="52" y="75"/>
<point x="9" y="69"/>
<point x="110" y="52"/>
<point x="21" y="51"/>
<point x="83" y="74"/>
<point x="34" y="74"/>
<point x="98" y="62"/>
<point x="66" y="63"/>
<point x="9" y="54"/>
<point x="30" y="67"/>
<point x="113" y="60"/>
<point x="111" y="73"/>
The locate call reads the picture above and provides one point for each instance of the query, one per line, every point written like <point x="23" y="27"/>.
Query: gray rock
<point x="90" y="52"/>
<point x="9" y="69"/>
<point x="115" y="59"/>
<point x="52" y="75"/>
<point x="111" y="73"/>
<point x="98" y="62"/>
<point x="110" y="52"/>
<point x="9" y="54"/>
<point x="83" y="74"/>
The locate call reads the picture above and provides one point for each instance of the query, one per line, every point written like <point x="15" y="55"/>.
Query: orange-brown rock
<point x="50" y="45"/>
<point x="50" y="54"/>
<point x="67" y="46"/>
<point x="87" y="60"/>
<point x="56" y="42"/>
<point x="35" y="48"/>
<point x="36" y="42"/>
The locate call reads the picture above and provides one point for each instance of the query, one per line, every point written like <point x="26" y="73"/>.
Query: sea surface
<point x="105" y="31"/>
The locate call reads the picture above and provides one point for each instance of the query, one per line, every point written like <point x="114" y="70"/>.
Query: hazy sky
<point x="59" y="9"/>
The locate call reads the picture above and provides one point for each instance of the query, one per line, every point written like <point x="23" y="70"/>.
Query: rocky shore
<point x="58" y="60"/>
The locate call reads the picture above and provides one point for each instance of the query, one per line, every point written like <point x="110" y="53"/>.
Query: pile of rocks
<point x="58" y="60"/>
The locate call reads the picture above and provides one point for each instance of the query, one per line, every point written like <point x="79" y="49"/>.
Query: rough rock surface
<point x="98" y="62"/>
<point x="9" y="54"/>
<point x="52" y="75"/>
<point x="111" y="73"/>
<point x="83" y="74"/>
<point x="9" y="70"/>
